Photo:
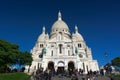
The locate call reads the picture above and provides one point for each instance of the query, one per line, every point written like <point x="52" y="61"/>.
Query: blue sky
<point x="98" y="21"/>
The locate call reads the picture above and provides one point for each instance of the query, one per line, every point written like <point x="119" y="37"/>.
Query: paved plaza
<point x="79" y="78"/>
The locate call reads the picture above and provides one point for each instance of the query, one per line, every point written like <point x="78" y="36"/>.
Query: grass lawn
<point x="117" y="77"/>
<point x="14" y="76"/>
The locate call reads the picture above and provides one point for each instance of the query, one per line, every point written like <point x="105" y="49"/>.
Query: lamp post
<point x="106" y="56"/>
<point x="108" y="65"/>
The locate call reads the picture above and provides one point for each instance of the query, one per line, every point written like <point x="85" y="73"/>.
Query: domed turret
<point x="43" y="36"/>
<point x="59" y="26"/>
<point x="77" y="36"/>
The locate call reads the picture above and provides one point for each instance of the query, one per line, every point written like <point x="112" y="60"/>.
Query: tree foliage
<point x="10" y="54"/>
<point x="116" y="61"/>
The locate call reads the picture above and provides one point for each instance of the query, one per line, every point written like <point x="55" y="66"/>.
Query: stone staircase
<point x="79" y="78"/>
<point x="70" y="78"/>
<point x="102" y="78"/>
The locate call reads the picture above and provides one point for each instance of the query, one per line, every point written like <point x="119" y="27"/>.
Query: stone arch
<point x="60" y="68"/>
<point x="61" y="64"/>
<point x="71" y="66"/>
<point x="50" y="65"/>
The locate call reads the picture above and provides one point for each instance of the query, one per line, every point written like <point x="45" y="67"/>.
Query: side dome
<point x="43" y="36"/>
<point x="77" y="36"/>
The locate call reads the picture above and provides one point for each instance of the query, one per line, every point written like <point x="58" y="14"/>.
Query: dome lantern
<point x="59" y="16"/>
<point x="76" y="29"/>
<point x="43" y="30"/>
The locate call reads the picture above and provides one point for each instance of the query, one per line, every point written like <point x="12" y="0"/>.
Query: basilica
<point x="61" y="50"/>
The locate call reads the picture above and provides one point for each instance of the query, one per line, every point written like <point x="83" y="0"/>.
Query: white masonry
<point x="61" y="49"/>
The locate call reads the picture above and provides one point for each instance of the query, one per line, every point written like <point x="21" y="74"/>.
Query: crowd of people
<point x="47" y="74"/>
<point x="43" y="75"/>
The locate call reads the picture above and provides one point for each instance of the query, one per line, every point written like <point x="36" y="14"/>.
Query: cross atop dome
<point x="76" y="29"/>
<point x="43" y="31"/>
<point x="59" y="16"/>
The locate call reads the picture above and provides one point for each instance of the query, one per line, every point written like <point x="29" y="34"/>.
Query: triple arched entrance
<point x="61" y="66"/>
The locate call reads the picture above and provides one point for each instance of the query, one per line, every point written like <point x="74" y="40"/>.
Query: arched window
<point x="60" y="48"/>
<point x="68" y="53"/>
<point x="84" y="67"/>
<point x="87" y="67"/>
<point x="60" y="36"/>
<point x="79" y="45"/>
<point x="52" y="53"/>
<point x="41" y="45"/>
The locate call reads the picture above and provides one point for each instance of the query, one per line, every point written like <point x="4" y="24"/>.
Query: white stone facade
<point x="61" y="49"/>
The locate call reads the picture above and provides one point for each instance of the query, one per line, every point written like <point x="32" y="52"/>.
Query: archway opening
<point x="71" y="67"/>
<point x="60" y="69"/>
<point x="51" y="65"/>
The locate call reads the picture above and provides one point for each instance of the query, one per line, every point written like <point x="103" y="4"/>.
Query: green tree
<point x="10" y="54"/>
<point x="116" y="61"/>
<point x="25" y="58"/>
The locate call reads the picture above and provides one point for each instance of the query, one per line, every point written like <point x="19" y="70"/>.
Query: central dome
<point x="60" y="26"/>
